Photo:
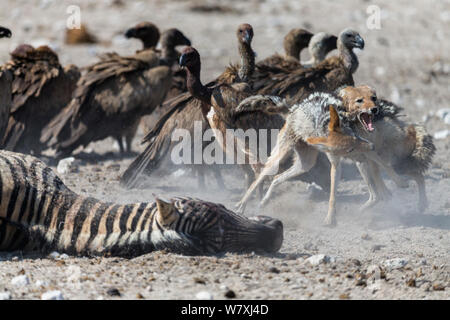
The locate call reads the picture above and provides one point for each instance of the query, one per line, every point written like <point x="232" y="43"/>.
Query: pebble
<point x="230" y="294"/>
<point x="113" y="292"/>
<point x="52" y="295"/>
<point x="54" y="255"/>
<point x="5" y="295"/>
<point x="442" y="134"/>
<point x="204" y="295"/>
<point x="317" y="259"/>
<point x="395" y="263"/>
<point x="20" y="281"/>
<point x="66" y="165"/>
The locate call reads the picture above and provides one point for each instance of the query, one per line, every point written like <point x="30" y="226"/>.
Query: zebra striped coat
<point x="38" y="212"/>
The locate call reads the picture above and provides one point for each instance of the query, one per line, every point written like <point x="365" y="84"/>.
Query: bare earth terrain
<point x="389" y="252"/>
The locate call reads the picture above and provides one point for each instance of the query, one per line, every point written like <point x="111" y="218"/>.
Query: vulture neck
<point x="148" y="44"/>
<point x="168" y="52"/>
<point x="197" y="89"/>
<point x="247" y="61"/>
<point x="348" y="57"/>
<point x="292" y="51"/>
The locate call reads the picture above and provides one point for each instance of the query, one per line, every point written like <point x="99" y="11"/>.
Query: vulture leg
<point x="219" y="178"/>
<point x="120" y="142"/>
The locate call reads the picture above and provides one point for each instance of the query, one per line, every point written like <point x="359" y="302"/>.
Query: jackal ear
<point x="167" y="212"/>
<point x="335" y="123"/>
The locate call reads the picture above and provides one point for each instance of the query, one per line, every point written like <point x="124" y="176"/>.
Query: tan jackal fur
<point x="311" y="126"/>
<point x="404" y="147"/>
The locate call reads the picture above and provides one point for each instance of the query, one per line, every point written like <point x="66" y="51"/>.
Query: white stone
<point x="65" y="165"/>
<point x="441" y="134"/>
<point x="20" y="281"/>
<point x="319" y="259"/>
<point x="374" y="271"/>
<point x="395" y="263"/>
<point x="5" y="295"/>
<point x="204" y="295"/>
<point x="64" y="256"/>
<point x="54" y="255"/>
<point x="40" y="283"/>
<point x="52" y="295"/>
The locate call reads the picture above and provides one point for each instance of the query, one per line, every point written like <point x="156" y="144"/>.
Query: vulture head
<point x="360" y="103"/>
<point x="351" y="39"/>
<point x="295" y="41"/>
<point x="22" y="51"/>
<point x="5" y="32"/>
<point x="245" y="33"/>
<point x="190" y="58"/>
<point x="174" y="37"/>
<point x="322" y="43"/>
<point x="147" y="32"/>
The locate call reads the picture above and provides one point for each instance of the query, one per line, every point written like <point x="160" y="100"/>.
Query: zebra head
<point x="200" y="227"/>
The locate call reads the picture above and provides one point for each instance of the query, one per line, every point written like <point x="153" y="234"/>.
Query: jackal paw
<point x="423" y="205"/>
<point x="330" y="221"/>
<point x="368" y="204"/>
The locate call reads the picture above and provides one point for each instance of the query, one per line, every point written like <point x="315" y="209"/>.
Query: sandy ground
<point x="390" y="252"/>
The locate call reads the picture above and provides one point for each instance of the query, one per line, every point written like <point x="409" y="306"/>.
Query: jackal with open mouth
<point x="405" y="147"/>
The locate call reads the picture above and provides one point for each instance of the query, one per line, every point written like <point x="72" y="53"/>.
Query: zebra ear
<point x="167" y="212"/>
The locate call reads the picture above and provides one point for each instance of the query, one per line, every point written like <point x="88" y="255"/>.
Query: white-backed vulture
<point x="41" y="87"/>
<point x="5" y="90"/>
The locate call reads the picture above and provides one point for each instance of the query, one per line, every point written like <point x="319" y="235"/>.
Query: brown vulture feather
<point x="109" y="99"/>
<point x="327" y="76"/>
<point x="41" y="87"/>
<point x="183" y="112"/>
<point x="5" y="90"/>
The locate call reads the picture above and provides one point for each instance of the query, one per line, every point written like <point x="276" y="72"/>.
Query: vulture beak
<point x="359" y="42"/>
<point x="182" y="61"/>
<point x="5" y="32"/>
<point x="247" y="38"/>
<point x="130" y="33"/>
<point x="187" y="42"/>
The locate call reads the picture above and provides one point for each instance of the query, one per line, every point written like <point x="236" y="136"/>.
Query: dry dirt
<point x="407" y="61"/>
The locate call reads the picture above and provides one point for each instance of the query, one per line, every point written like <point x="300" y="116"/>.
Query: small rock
<point x="438" y="287"/>
<point x="5" y="295"/>
<point x="411" y="282"/>
<point x="395" y="263"/>
<point x="113" y="292"/>
<point x="365" y="236"/>
<point x="274" y="270"/>
<point x="40" y="283"/>
<point x="439" y="135"/>
<point x="230" y="294"/>
<point x="54" y="255"/>
<point x="377" y="247"/>
<point x="20" y="281"/>
<point x="344" y="296"/>
<point x="320" y="259"/>
<point x="199" y="280"/>
<point x="204" y="295"/>
<point x="64" y="256"/>
<point x="66" y="165"/>
<point x="52" y="295"/>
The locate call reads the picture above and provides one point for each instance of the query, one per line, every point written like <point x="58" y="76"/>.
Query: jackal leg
<point x="399" y="181"/>
<point x="423" y="201"/>
<point x="278" y="155"/>
<point x="305" y="159"/>
<point x="330" y="219"/>
<point x="377" y="189"/>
